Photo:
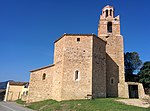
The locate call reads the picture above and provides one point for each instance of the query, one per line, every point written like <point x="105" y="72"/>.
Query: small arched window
<point x="112" y="81"/>
<point x="109" y="27"/>
<point x="76" y="75"/>
<point x="110" y="12"/>
<point x="44" y="76"/>
<point x="106" y="13"/>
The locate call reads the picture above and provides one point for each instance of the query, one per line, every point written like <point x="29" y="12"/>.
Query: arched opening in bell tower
<point x="110" y="12"/>
<point x="109" y="27"/>
<point x="106" y="13"/>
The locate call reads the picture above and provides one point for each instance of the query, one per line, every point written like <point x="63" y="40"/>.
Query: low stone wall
<point x="141" y="92"/>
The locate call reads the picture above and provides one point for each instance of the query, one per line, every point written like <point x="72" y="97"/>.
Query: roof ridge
<point x="65" y="34"/>
<point x="42" y="67"/>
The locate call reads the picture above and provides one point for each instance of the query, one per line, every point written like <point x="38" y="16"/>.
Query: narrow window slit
<point x="44" y="76"/>
<point x="76" y="75"/>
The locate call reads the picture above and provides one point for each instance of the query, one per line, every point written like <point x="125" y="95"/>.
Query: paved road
<point x="12" y="106"/>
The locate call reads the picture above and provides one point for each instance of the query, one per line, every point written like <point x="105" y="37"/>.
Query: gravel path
<point x="135" y="102"/>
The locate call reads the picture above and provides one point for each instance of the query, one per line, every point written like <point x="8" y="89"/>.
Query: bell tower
<point x="108" y="24"/>
<point x="109" y="30"/>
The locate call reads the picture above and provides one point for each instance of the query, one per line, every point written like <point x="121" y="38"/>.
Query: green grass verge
<point x="19" y="101"/>
<point x="103" y="104"/>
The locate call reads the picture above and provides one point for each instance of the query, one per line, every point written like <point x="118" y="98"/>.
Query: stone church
<point x="86" y="65"/>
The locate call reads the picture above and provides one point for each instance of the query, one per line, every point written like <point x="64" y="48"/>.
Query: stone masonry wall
<point x="40" y="89"/>
<point x="115" y="66"/>
<point x="102" y="26"/>
<point x="114" y="56"/>
<point x="58" y="61"/>
<point x="99" y="68"/>
<point x="77" y="56"/>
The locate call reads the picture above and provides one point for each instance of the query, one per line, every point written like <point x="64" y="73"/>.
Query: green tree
<point x="132" y="64"/>
<point x="144" y="76"/>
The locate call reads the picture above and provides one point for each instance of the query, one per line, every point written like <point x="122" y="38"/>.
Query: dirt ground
<point x="135" y="102"/>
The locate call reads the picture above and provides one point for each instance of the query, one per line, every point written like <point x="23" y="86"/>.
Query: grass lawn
<point x="19" y="101"/>
<point x="102" y="104"/>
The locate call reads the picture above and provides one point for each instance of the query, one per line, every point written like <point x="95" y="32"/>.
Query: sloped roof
<point x="42" y="68"/>
<point x="76" y="35"/>
<point x="18" y="83"/>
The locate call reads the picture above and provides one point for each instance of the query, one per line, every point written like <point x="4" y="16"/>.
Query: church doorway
<point x="133" y="91"/>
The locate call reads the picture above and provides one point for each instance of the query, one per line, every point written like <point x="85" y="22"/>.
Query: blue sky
<point x="28" y="29"/>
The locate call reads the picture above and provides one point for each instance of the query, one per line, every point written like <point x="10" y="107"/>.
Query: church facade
<point x="86" y="65"/>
